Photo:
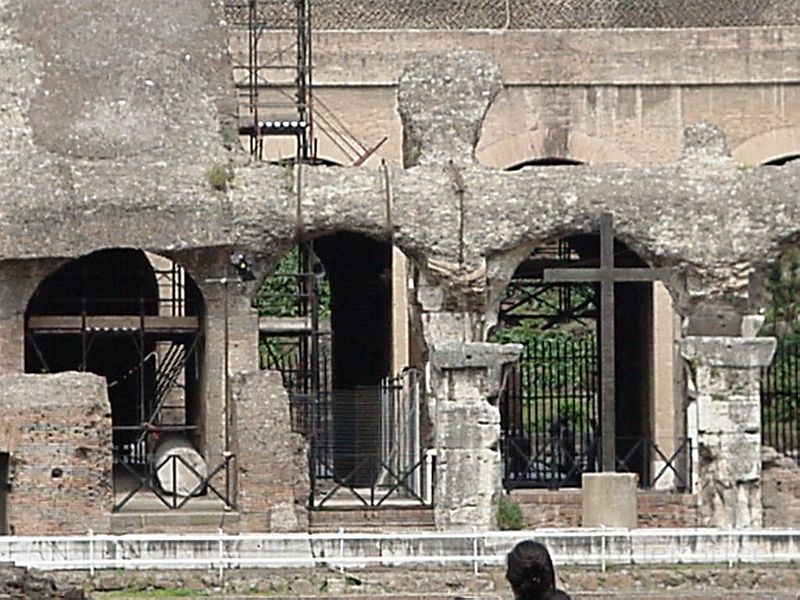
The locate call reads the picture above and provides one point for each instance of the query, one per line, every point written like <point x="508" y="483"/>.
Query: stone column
<point x="724" y="381"/>
<point x="18" y="282"/>
<point x="465" y="380"/>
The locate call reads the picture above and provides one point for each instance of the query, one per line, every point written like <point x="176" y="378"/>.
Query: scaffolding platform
<point x="71" y="324"/>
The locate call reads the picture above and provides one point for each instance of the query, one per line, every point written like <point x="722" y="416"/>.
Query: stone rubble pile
<point x="19" y="582"/>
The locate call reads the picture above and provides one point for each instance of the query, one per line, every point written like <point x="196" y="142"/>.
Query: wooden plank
<point x="76" y="323"/>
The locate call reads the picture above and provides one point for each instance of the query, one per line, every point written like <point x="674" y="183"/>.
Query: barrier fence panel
<point x="220" y="551"/>
<point x="549" y="414"/>
<point x="780" y="399"/>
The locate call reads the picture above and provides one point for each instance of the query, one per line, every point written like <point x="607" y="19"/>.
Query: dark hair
<point x="530" y="570"/>
<point x="557" y="595"/>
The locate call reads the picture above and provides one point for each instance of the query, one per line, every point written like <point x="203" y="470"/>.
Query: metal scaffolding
<point x="274" y="85"/>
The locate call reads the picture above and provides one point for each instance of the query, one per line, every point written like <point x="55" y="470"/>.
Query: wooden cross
<point x="607" y="274"/>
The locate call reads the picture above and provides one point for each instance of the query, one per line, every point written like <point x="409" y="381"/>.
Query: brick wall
<point x="57" y="430"/>
<point x="562" y="508"/>
<point x="272" y="467"/>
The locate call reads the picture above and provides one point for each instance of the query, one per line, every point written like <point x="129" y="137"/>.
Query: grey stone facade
<point x="137" y="135"/>
<point x="551" y="14"/>
<point x="724" y="383"/>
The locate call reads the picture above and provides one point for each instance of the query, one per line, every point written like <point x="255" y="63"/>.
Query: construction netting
<point x="521" y="14"/>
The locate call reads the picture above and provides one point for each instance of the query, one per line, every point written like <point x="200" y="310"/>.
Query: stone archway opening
<point x="782" y="160"/>
<point x="328" y="323"/>
<point x="547" y="161"/>
<point x="134" y="319"/>
<point x="550" y="417"/>
<point x="359" y="270"/>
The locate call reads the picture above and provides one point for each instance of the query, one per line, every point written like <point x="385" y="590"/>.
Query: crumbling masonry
<point x="110" y="149"/>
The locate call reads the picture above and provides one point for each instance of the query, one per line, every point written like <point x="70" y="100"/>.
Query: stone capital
<point x="473" y="355"/>
<point x="732" y="352"/>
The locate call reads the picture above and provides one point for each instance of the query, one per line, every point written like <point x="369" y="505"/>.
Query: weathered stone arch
<point x="768" y="146"/>
<point x="100" y="313"/>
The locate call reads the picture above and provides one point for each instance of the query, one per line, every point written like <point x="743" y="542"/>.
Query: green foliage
<point x="286" y="292"/>
<point x="220" y="176"/>
<point x="509" y="515"/>
<point x="289" y="292"/>
<point x="782" y="378"/>
<point x="556" y="326"/>
<point x="783" y="284"/>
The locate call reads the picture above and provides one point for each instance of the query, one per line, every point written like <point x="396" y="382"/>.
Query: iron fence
<point x="365" y="445"/>
<point x="654" y="466"/>
<point x="549" y="416"/>
<point x="523" y="14"/>
<point x="173" y="480"/>
<point x="780" y="399"/>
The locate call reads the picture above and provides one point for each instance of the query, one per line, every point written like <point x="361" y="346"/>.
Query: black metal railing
<point x="138" y="478"/>
<point x="549" y="413"/>
<point x="553" y="465"/>
<point x="653" y="465"/>
<point x="365" y="445"/>
<point x="780" y="399"/>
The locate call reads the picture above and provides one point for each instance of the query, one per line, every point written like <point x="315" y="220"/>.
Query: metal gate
<point x="549" y="414"/>
<point x="780" y="399"/>
<point x="365" y="446"/>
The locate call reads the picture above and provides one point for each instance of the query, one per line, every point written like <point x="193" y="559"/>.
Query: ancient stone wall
<point x="272" y="464"/>
<point x="139" y="123"/>
<point x="781" y="489"/>
<point x="562" y="508"/>
<point x="522" y="14"/>
<point x="58" y="435"/>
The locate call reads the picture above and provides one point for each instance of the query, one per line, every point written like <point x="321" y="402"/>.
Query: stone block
<point x="731" y="458"/>
<point x="447" y="326"/>
<point x="466" y="481"/>
<point x="722" y="381"/>
<point x="467" y="427"/>
<point x="745" y="353"/>
<point x="474" y="355"/>
<point x="430" y="297"/>
<point x="609" y="500"/>
<point x="728" y="416"/>
<point x="465" y="386"/>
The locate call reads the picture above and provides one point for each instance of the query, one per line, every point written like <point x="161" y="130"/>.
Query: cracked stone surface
<point x="137" y="133"/>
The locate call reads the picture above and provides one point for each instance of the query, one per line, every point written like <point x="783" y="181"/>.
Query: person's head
<point x="530" y="570"/>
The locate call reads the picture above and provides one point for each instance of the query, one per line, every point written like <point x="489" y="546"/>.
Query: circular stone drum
<point x="180" y="469"/>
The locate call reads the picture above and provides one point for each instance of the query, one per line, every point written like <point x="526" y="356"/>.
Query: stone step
<point x="371" y="519"/>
